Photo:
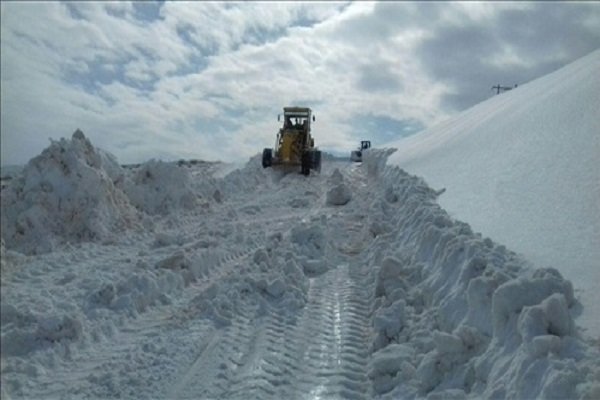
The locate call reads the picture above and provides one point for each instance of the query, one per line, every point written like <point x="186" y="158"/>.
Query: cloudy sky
<point x="206" y="80"/>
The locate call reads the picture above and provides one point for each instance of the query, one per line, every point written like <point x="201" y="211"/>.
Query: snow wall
<point x="524" y="168"/>
<point x="457" y="315"/>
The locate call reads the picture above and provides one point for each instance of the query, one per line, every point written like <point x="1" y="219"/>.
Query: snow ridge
<point x="523" y="168"/>
<point x="459" y="316"/>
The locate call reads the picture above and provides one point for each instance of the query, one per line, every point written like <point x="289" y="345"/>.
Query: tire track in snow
<point x="331" y="339"/>
<point x="271" y="357"/>
<point x="321" y="354"/>
<point x="208" y="375"/>
<point x="173" y="320"/>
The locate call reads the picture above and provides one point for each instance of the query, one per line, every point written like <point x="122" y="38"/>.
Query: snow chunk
<point x="336" y="177"/>
<point x="447" y="343"/>
<point x="276" y="287"/>
<point x="310" y="238"/>
<point x="512" y="296"/>
<point x="389" y="277"/>
<point x="180" y="263"/>
<point x="391" y="366"/>
<point x="313" y="267"/>
<point x="338" y="195"/>
<point x="550" y="317"/>
<point x="390" y="320"/>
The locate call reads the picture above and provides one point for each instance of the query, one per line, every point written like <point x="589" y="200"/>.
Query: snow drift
<point x="523" y="168"/>
<point x="67" y="193"/>
<point x="75" y="192"/>
<point x="457" y="315"/>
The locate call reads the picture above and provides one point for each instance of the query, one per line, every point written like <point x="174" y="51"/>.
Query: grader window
<point x="296" y="121"/>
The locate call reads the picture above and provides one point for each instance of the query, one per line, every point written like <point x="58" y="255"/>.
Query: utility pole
<point x="499" y="88"/>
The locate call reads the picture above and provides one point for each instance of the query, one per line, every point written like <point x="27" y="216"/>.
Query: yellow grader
<point x="294" y="145"/>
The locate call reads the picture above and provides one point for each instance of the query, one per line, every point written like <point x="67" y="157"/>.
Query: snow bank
<point x="248" y="178"/>
<point x="75" y="192"/>
<point x="67" y="193"/>
<point x="459" y="316"/>
<point x="523" y="168"/>
<point x="159" y="187"/>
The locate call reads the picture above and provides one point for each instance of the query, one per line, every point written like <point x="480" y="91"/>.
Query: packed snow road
<point x="194" y="346"/>
<point x="172" y="281"/>
<point x="321" y="353"/>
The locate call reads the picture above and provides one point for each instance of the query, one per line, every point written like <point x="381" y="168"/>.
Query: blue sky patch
<point x="383" y="129"/>
<point x="147" y="10"/>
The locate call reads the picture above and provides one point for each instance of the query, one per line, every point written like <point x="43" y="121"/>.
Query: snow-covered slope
<point x="353" y="283"/>
<point x="524" y="169"/>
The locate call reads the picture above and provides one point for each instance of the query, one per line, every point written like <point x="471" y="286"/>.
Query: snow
<point x="201" y="280"/>
<point x="523" y="168"/>
<point x="66" y="193"/>
<point x="469" y="306"/>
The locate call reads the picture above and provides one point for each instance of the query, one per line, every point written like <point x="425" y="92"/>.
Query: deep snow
<point x="180" y="280"/>
<point x="524" y="169"/>
<point x="206" y="280"/>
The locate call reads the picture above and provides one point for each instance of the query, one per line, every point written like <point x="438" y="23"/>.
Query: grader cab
<point x="357" y="155"/>
<point x="294" y="146"/>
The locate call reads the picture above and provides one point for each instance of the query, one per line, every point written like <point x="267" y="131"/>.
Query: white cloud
<point x="207" y="79"/>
